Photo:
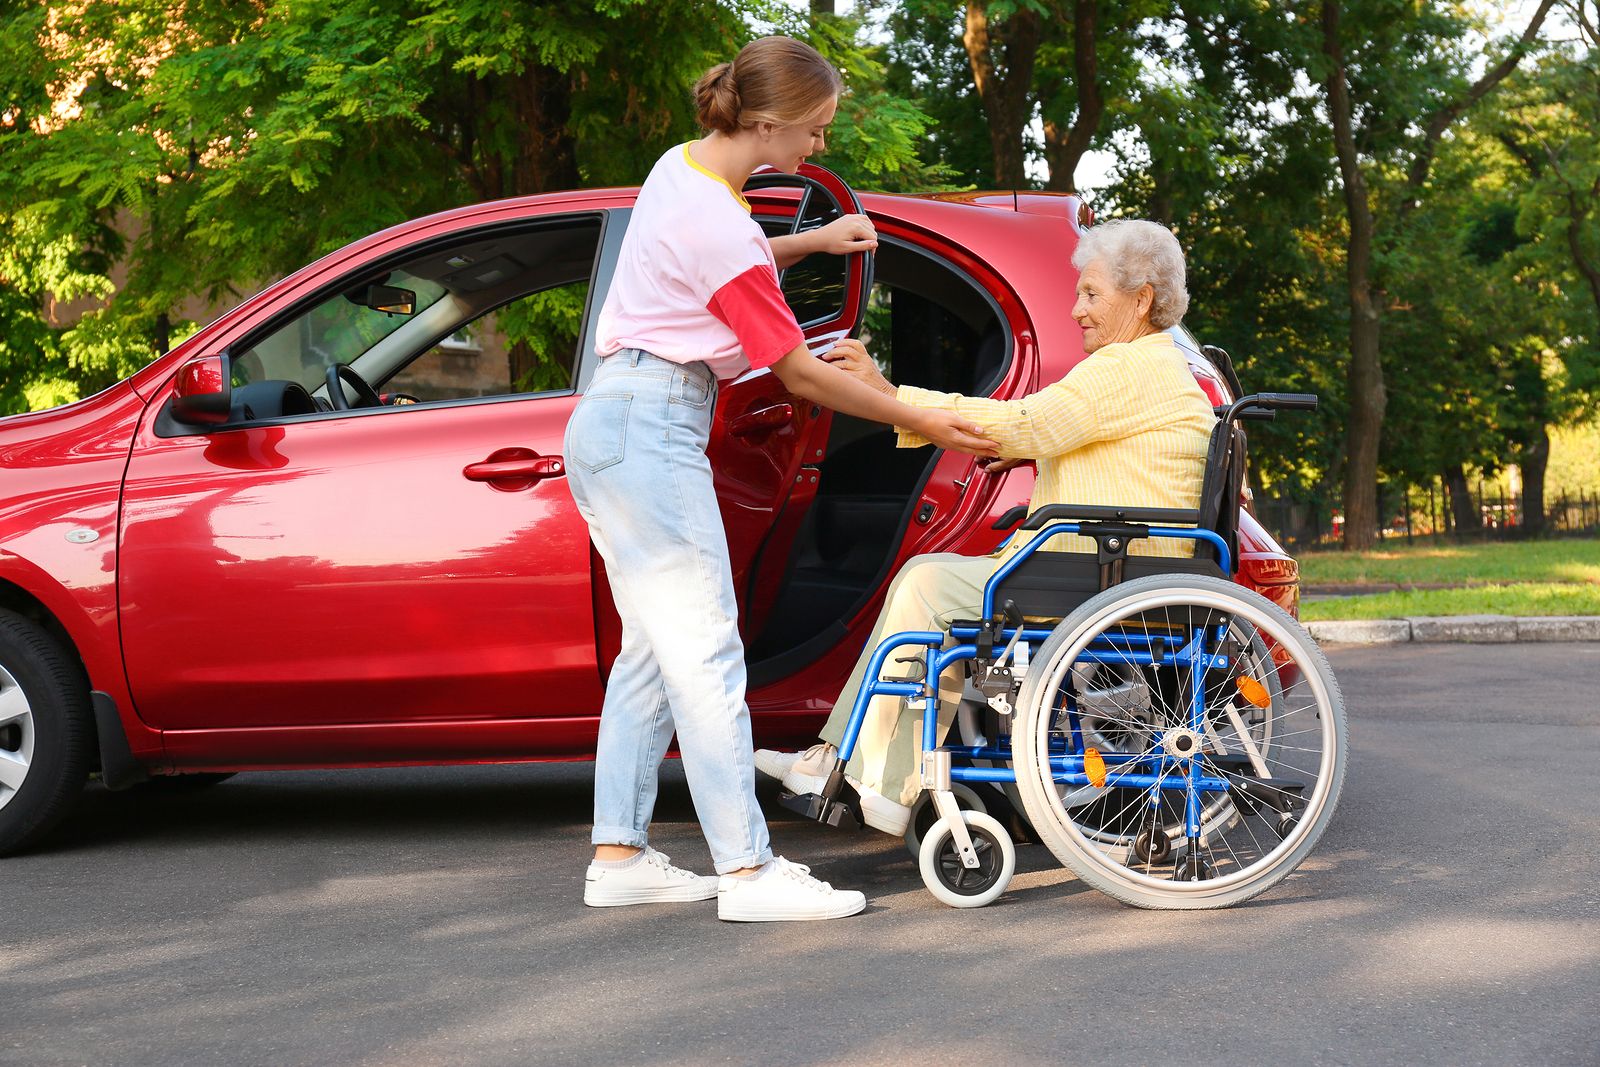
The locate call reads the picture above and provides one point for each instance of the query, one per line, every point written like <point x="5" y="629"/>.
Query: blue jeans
<point x="637" y="467"/>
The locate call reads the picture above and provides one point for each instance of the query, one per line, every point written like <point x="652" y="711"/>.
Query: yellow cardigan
<point x="1127" y="426"/>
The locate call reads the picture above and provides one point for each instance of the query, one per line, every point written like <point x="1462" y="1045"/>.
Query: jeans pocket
<point x="690" y="388"/>
<point x="599" y="431"/>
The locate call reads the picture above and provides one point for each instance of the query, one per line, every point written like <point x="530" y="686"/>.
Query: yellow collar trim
<point x="714" y="176"/>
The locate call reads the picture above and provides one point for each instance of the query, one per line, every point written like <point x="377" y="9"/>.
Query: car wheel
<point x="45" y="732"/>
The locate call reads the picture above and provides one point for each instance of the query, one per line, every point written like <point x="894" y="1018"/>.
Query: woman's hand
<point x="851" y="356"/>
<point x="946" y="429"/>
<point x="844" y="235"/>
<point x="1000" y="466"/>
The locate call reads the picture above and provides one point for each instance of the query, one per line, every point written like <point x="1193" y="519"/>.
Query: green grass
<point x="1527" y="598"/>
<point x="1567" y="560"/>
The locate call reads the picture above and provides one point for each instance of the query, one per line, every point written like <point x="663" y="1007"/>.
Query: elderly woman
<point x="1128" y="425"/>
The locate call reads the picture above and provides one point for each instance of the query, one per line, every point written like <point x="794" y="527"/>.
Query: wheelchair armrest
<point x="1097" y="513"/>
<point x="1012" y="516"/>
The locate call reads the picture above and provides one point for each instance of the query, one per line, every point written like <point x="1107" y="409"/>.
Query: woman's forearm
<point x="823" y="383"/>
<point x="790" y="249"/>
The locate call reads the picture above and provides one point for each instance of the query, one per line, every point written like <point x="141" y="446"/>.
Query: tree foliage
<point x="1392" y="203"/>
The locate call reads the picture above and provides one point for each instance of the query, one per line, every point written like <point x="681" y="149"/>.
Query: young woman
<point x="695" y="301"/>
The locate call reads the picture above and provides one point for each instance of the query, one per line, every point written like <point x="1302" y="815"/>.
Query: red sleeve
<point x="752" y="306"/>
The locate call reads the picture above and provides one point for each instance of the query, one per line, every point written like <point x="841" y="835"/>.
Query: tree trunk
<point x="1064" y="146"/>
<point x="546" y="158"/>
<point x="1365" y="375"/>
<point x="1003" y="83"/>
<point x="1535" y="460"/>
<point x="1466" y="514"/>
<point x="161" y="334"/>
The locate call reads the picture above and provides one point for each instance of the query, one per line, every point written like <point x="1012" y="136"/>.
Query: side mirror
<point x="204" y="394"/>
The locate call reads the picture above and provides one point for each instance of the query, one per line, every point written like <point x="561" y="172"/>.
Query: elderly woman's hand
<point x="844" y="235"/>
<point x="1000" y="466"/>
<point x="851" y="356"/>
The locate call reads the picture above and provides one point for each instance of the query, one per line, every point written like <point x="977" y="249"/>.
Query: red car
<point x="332" y="529"/>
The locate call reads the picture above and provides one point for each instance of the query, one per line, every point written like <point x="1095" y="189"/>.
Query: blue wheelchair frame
<point x="1155" y="770"/>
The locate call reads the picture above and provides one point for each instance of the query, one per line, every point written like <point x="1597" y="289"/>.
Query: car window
<point x="337" y="330"/>
<point x="528" y="346"/>
<point x="928" y="326"/>
<point x="815" y="286"/>
<point x="492" y="313"/>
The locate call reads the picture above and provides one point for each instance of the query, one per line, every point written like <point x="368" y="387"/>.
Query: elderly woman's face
<point x="1108" y="315"/>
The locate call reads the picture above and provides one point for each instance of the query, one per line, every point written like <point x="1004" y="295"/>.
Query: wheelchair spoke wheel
<point x="1217" y="734"/>
<point x="956" y="884"/>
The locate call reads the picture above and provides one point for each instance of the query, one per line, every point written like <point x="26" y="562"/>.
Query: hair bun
<point x="716" y="99"/>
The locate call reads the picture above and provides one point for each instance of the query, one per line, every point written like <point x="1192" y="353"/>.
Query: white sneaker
<point x="653" y="880"/>
<point x="783" y="892"/>
<point x="881" y="813"/>
<point x="775" y="764"/>
<point x="805" y="772"/>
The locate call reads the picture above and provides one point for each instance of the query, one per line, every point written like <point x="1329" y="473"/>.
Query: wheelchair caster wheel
<point x="1152" y="846"/>
<point x="1285" y="826"/>
<point x="956" y="884"/>
<point x="1191" y="868"/>
<point x="924" y="814"/>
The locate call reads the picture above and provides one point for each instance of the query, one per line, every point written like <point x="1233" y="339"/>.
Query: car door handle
<point x="515" y="464"/>
<point x="762" y="420"/>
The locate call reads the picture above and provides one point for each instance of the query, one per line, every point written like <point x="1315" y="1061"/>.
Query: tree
<point x="209" y="145"/>
<point x="1002" y="43"/>
<point x="1405" y="61"/>
<point x="1548" y="127"/>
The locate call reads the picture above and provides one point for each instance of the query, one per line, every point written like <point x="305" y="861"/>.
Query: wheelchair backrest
<point x="1222" y="487"/>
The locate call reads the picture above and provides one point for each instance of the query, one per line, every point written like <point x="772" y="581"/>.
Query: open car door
<point x="767" y="443"/>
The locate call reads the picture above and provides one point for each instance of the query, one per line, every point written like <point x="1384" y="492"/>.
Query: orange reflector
<point x="1094" y="767"/>
<point x="1253" y="691"/>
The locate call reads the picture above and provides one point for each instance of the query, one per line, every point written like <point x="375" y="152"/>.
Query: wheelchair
<point x="1177" y="741"/>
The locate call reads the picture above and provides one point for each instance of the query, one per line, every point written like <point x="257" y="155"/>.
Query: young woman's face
<point x="789" y="146"/>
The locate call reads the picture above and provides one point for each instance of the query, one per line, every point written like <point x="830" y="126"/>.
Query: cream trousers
<point x="929" y="593"/>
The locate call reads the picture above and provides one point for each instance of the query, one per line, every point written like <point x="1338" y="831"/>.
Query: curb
<point x="1459" y="629"/>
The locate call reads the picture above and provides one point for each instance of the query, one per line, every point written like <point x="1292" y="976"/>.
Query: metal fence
<point x="1412" y="512"/>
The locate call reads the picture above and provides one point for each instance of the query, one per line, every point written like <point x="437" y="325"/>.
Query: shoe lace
<point x="802" y="874"/>
<point x="659" y="859"/>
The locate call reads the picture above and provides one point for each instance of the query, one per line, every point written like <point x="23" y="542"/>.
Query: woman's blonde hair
<point x="775" y="79"/>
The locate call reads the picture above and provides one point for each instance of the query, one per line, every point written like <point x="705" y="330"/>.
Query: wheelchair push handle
<point x="1263" y="406"/>
<point x="1287" y="401"/>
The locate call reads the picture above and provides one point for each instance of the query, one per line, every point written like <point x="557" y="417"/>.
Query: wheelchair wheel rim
<point x="1133" y="606"/>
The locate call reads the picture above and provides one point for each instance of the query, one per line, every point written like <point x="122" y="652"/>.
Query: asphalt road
<point x="1451" y="915"/>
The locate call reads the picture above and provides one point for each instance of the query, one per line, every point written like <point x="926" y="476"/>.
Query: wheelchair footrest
<point x="833" y="812"/>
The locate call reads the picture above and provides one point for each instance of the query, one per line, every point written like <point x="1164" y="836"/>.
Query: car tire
<point x="46" y="732"/>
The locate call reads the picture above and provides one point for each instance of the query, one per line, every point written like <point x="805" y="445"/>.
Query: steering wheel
<point x="341" y="374"/>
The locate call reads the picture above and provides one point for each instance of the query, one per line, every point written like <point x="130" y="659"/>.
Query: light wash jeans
<point x="637" y="467"/>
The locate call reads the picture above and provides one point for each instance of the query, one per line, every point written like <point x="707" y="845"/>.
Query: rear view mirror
<point x="204" y="393"/>
<point x="390" y="299"/>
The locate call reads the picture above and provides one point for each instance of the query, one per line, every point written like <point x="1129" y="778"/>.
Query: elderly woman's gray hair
<point x="1136" y="253"/>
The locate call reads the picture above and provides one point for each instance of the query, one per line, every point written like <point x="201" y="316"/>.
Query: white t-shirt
<point x="695" y="279"/>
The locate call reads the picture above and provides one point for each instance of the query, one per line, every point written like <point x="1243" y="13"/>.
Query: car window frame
<point x="601" y="271"/>
<point x="1008" y="335"/>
